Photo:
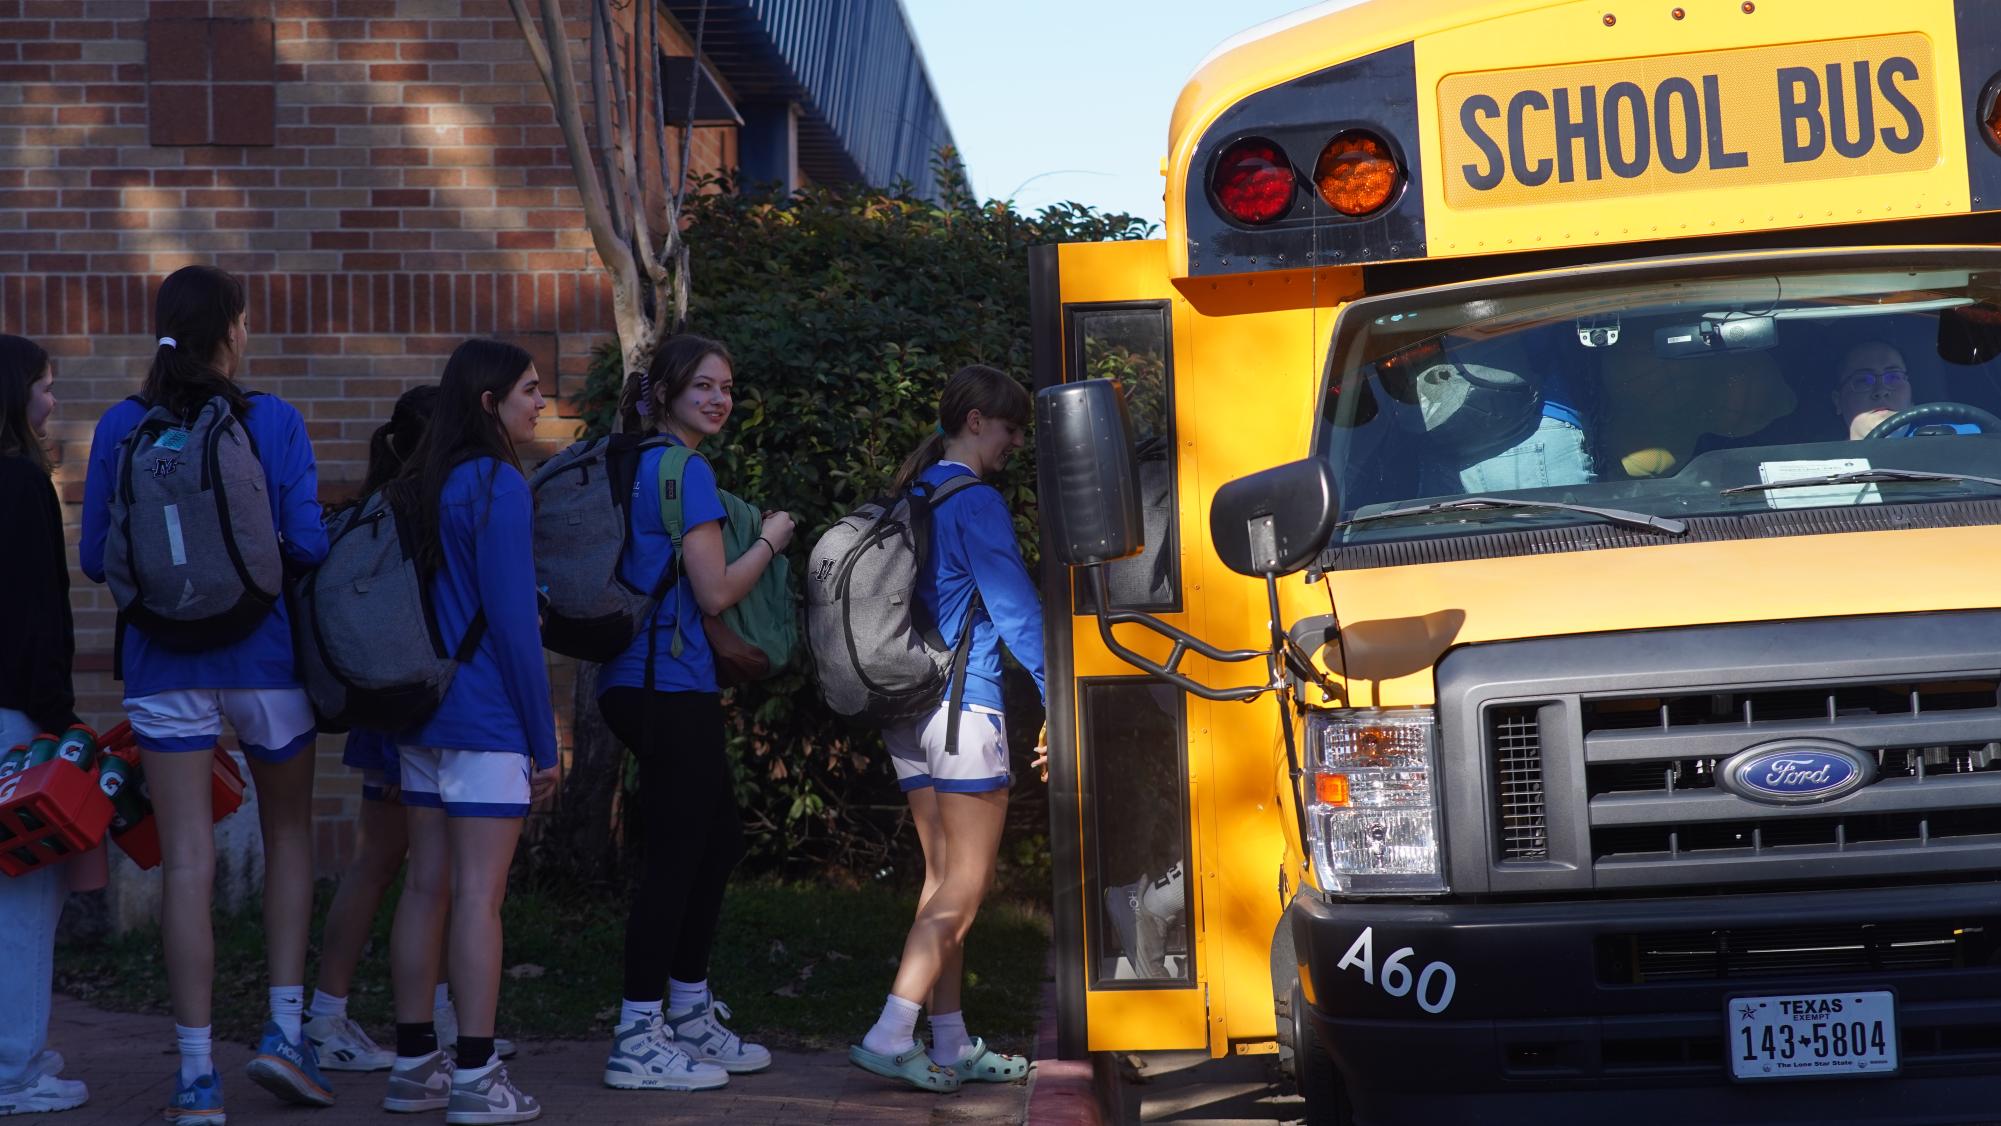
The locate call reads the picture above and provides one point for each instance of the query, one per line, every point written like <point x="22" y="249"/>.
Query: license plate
<point x="1812" y="1035"/>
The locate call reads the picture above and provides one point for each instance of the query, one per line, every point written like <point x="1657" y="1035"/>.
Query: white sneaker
<point x="491" y="1099"/>
<point x="701" y="1034"/>
<point x="344" y="1046"/>
<point x="46" y="1095"/>
<point x="446" y="1018"/>
<point x="645" y="1058"/>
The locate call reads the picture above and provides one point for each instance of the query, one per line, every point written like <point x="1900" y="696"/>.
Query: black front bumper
<point x="1538" y="1028"/>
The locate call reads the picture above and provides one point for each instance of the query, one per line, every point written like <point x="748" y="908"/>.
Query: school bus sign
<point x="1632" y="127"/>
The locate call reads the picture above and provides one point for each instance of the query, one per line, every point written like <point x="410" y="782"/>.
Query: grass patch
<point x="800" y="965"/>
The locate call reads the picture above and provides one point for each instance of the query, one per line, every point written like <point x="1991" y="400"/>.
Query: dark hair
<point x="672" y="369"/>
<point x="390" y="447"/>
<point x="22" y="362"/>
<point x="196" y="307"/>
<point x="461" y="429"/>
<point x="975" y="387"/>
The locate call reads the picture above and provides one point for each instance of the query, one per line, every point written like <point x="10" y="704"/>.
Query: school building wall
<point x="385" y="175"/>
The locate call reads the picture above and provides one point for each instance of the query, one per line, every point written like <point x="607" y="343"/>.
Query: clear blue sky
<point x="1068" y="99"/>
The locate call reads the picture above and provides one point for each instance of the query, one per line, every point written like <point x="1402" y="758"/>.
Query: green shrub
<point x="847" y="308"/>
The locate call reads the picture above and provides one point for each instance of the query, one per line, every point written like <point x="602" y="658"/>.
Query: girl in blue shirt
<point x="470" y="772"/>
<point x="958" y="795"/>
<point x="660" y="699"/>
<point x="177" y="701"/>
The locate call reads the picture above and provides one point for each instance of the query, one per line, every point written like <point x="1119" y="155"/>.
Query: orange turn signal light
<point x="1356" y="173"/>
<point x="1330" y="789"/>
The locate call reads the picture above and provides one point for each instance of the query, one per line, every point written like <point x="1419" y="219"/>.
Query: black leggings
<point x="693" y="833"/>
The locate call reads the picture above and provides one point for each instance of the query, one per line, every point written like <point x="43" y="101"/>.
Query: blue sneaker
<point x="288" y="1070"/>
<point x="198" y="1103"/>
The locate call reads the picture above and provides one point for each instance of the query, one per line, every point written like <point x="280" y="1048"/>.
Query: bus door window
<point x="1130" y="342"/>
<point x="1136" y="835"/>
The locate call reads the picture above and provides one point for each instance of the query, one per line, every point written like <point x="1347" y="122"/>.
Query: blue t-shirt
<point x="498" y="700"/>
<point x="648" y="551"/>
<point x="973" y="547"/>
<point x="264" y="659"/>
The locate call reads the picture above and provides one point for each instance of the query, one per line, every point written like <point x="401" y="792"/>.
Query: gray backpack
<point x="191" y="555"/>
<point x="877" y="657"/>
<point x="583" y="499"/>
<point x="368" y="648"/>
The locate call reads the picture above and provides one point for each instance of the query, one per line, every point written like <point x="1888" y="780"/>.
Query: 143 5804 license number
<point x="1813" y="1035"/>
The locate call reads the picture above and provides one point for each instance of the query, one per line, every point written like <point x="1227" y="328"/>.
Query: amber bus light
<point x="1253" y="181"/>
<point x="1356" y="174"/>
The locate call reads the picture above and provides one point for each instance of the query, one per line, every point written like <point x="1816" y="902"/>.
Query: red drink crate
<point x="49" y="813"/>
<point x="141" y="842"/>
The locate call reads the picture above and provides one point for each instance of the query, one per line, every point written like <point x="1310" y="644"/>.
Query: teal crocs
<point x="982" y="1064"/>
<point x="911" y="1066"/>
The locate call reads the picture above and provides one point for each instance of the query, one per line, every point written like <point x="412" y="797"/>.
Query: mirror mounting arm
<point x="1184" y="642"/>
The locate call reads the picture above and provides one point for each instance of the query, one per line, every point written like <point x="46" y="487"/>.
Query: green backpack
<point x="755" y="638"/>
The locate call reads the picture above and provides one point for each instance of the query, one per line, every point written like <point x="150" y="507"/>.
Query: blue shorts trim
<point x="914" y="782"/>
<point x="284" y="753"/>
<point x="178" y="744"/>
<point x="972" y="785"/>
<point x="484" y="809"/>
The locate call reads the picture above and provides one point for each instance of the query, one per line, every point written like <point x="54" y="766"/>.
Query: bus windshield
<point x="1684" y="398"/>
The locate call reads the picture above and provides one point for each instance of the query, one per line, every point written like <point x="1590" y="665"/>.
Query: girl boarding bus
<point x="1581" y="420"/>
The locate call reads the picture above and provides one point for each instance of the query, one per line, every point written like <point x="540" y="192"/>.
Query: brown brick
<point x="399" y="72"/>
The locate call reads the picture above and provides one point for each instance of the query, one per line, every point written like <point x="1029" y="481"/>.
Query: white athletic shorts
<point x="271" y="724"/>
<point x="466" y="783"/>
<point x="917" y="748"/>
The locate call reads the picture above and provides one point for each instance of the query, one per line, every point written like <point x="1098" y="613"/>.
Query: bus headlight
<point x="1372" y="801"/>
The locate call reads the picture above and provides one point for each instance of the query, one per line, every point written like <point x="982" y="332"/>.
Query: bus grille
<point x="1516" y="739"/>
<point x="1709" y="955"/>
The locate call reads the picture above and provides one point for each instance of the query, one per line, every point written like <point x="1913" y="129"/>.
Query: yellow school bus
<point x="1524" y="595"/>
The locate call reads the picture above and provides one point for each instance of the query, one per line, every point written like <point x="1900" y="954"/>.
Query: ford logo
<point x="1798" y="772"/>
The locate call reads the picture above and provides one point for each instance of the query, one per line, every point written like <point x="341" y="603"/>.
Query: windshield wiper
<point x="1863" y="477"/>
<point x="1619" y="516"/>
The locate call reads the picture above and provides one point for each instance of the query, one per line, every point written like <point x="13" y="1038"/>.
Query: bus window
<point x="1129" y="342"/>
<point x="1704" y="387"/>
<point x="1136" y="835"/>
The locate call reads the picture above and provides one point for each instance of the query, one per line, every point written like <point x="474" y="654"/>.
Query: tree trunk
<point x="581" y="837"/>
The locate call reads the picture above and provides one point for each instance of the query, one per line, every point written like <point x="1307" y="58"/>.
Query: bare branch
<point x="601" y="110"/>
<point x="688" y="126"/>
<point x="635" y="190"/>
<point x="536" y="48"/>
<point x="615" y="251"/>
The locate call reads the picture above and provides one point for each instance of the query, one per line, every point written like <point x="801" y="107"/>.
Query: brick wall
<point x="386" y="175"/>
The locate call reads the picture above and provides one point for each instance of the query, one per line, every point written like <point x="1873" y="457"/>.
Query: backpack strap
<point x="962" y="656"/>
<point x="475" y="632"/>
<point x="673" y="476"/>
<point x="921" y="507"/>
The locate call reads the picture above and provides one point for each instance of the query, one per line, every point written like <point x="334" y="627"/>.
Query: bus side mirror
<point x="1275" y="522"/>
<point x="1087" y="472"/>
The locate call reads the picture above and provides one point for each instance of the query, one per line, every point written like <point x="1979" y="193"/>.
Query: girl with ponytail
<point x="178" y="700"/>
<point x="958" y="795"/>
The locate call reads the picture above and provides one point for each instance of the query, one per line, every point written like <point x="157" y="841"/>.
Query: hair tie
<point x="167" y="342"/>
<point x="940" y="428"/>
<point x="645" y="395"/>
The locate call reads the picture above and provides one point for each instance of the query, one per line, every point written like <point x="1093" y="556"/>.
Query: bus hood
<point x="1395" y="623"/>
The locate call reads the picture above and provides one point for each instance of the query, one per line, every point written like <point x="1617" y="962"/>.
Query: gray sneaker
<point x="490" y="1100"/>
<point x="422" y="1084"/>
<point x="644" y="1057"/>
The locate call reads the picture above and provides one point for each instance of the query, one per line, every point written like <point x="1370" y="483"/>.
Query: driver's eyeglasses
<point x="1888" y="377"/>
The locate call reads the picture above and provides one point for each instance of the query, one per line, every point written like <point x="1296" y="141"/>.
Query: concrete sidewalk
<point x="127" y="1059"/>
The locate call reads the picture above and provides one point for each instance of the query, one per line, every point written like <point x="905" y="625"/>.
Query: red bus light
<point x="1253" y="181"/>
<point x="1356" y="173"/>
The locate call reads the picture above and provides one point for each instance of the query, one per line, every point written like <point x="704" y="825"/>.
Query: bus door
<point x="1129" y="948"/>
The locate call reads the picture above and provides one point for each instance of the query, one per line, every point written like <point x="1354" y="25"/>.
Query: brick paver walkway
<point x="127" y="1058"/>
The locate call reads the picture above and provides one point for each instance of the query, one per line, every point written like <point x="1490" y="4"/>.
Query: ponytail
<point x="193" y="314"/>
<point x="975" y="387"/>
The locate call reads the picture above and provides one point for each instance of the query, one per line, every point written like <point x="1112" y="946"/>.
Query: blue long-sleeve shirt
<point x="648" y="550"/>
<point x="973" y="548"/>
<point x="498" y="700"/>
<point x="264" y="659"/>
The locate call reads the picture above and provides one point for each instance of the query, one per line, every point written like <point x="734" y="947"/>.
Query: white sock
<point x="328" y="1005"/>
<point x="949" y="1041"/>
<point x="288" y="1009"/>
<point x="441" y="997"/>
<point x="630" y="1010"/>
<point x="895" y="1031"/>
<point x="684" y="997"/>
<point x="194" y="1044"/>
